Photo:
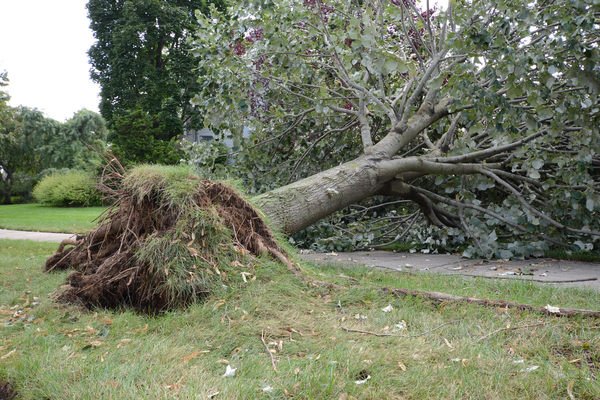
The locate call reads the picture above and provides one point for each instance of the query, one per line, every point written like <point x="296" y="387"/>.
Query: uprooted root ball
<point x="168" y="239"/>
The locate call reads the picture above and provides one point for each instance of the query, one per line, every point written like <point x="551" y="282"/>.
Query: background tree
<point x="484" y="115"/>
<point x="6" y="125"/>
<point x="31" y="143"/>
<point x="145" y="69"/>
<point x="23" y="134"/>
<point x="79" y="142"/>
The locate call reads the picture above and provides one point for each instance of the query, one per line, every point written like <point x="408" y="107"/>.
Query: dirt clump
<point x="7" y="392"/>
<point x="169" y="238"/>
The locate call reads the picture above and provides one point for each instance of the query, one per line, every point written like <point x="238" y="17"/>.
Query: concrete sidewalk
<point x="36" y="236"/>
<point x="543" y="270"/>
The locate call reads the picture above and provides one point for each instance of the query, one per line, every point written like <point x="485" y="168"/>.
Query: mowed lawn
<point x="290" y="340"/>
<point x="36" y="217"/>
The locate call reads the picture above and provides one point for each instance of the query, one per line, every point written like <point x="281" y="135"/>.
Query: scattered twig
<point x="529" y="279"/>
<point x="264" y="342"/>
<point x="350" y="278"/>
<point x="510" y="328"/>
<point x="368" y="332"/>
<point x="570" y="390"/>
<point x="432" y="329"/>
<point x="400" y="336"/>
<point x="438" y="296"/>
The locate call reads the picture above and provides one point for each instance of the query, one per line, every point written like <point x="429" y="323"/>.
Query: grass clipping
<point x="167" y="241"/>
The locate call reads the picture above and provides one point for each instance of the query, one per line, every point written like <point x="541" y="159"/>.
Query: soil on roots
<point x="6" y="391"/>
<point x="167" y="241"/>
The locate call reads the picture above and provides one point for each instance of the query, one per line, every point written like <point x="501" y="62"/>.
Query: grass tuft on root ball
<point x="170" y="239"/>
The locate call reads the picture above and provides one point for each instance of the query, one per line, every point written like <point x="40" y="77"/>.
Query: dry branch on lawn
<point x="548" y="310"/>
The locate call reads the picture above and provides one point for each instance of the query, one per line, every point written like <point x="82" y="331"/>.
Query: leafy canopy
<point x="324" y="82"/>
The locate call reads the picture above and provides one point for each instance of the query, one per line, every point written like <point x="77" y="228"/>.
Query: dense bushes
<point x="67" y="188"/>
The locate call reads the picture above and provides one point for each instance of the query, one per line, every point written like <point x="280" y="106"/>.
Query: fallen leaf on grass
<point x="530" y="369"/>
<point x="90" y="330"/>
<point x="10" y="353"/>
<point x="218" y="304"/>
<point x="267" y="389"/>
<point x="245" y="276"/>
<point x="174" y="387"/>
<point x="362" y="381"/>
<point x="112" y="383"/>
<point x="192" y="355"/>
<point x="387" y="309"/>
<point x="92" y="344"/>
<point x="401" y="366"/>
<point x="448" y="343"/>
<point x="400" y="326"/>
<point x="229" y="372"/>
<point x="123" y="342"/>
<point x="143" y="329"/>
<point x="552" y="309"/>
<point x="463" y="361"/>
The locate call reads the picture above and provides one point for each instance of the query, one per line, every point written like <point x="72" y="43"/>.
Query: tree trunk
<point x="7" y="188"/>
<point x="293" y="207"/>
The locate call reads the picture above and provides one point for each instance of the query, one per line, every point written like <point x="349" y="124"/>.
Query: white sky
<point x="43" y="45"/>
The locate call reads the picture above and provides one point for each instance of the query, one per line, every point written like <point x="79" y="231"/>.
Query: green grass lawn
<point x="36" y="217"/>
<point x="446" y="351"/>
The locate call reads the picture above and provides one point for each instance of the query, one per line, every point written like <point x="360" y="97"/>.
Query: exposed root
<point x="169" y="237"/>
<point x="7" y="392"/>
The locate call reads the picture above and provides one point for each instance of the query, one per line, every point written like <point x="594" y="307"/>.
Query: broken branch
<point x="440" y="297"/>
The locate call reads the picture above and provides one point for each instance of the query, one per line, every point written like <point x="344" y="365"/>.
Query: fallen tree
<point x="172" y="238"/>
<point x="485" y="115"/>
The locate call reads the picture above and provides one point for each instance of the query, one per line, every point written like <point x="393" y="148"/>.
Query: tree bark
<point x="293" y="207"/>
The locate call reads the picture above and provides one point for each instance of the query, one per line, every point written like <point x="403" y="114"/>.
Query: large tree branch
<point x="398" y="166"/>
<point x="434" y="214"/>
<point x="433" y="65"/>
<point x="402" y="134"/>
<point x="365" y="129"/>
<point x="486" y="153"/>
